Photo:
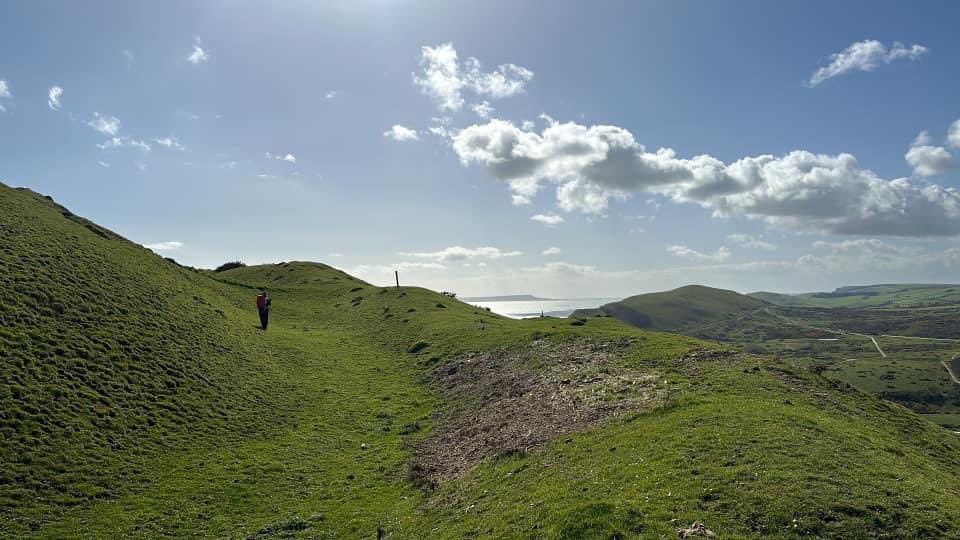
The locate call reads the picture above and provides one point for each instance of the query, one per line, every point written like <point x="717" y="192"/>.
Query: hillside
<point x="870" y="296"/>
<point x="678" y="310"/>
<point x="138" y="399"/>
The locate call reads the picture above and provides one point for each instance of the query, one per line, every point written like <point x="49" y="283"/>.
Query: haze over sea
<point x="520" y="309"/>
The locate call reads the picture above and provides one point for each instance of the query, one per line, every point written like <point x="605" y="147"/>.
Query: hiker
<point x="263" y="306"/>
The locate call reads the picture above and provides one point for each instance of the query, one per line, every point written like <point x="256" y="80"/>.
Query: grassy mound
<point x="139" y="400"/>
<point x="680" y="309"/>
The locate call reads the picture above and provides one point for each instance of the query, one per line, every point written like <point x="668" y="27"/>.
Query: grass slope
<point x="680" y="309"/>
<point x="138" y="400"/>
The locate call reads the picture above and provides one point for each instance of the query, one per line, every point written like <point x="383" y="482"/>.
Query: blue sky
<point x="805" y="148"/>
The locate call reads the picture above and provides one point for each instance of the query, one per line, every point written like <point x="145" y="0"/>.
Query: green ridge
<point x="139" y="400"/>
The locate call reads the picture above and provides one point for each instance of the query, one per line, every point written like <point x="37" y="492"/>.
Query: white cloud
<point x="443" y="77"/>
<point x="751" y="242"/>
<point x="164" y="246"/>
<point x="864" y="56"/>
<point x="335" y="254"/>
<point x="551" y="251"/>
<point x="104" y="164"/>
<point x="105" y="124"/>
<point x="331" y="94"/>
<point x="228" y="165"/>
<point x="53" y="98"/>
<point x="799" y="190"/>
<point x="170" y="142"/>
<point x="482" y="109"/>
<point x="289" y="158"/>
<point x="199" y="55"/>
<point x="685" y="252"/>
<point x="927" y="159"/>
<point x="549" y="220"/>
<point x="400" y="133"/>
<point x="859" y="245"/>
<point x="953" y="138"/>
<point x="115" y="143"/>
<point x="128" y="56"/>
<point x="460" y="253"/>
<point x="4" y="93"/>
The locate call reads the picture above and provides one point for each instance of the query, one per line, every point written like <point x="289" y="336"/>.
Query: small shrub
<point x="229" y="266"/>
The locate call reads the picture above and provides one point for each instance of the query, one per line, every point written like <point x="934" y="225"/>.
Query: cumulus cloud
<point x="443" y="78"/>
<point x="105" y="124"/>
<point x="482" y="109"/>
<point x="53" y="98"/>
<point x="927" y="159"/>
<point x="199" y="55"/>
<point x="170" y="142"/>
<point x="751" y="242"/>
<point x="953" y="137"/>
<point x="164" y="246"/>
<point x="548" y="219"/>
<point x="400" y="133"/>
<point x="685" y="252"/>
<point x="820" y="192"/>
<point x="551" y="251"/>
<point x="864" y="55"/>
<point x="460" y="253"/>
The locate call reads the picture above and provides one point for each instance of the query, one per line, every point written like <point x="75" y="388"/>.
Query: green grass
<point x="680" y="309"/>
<point x="139" y="400"/>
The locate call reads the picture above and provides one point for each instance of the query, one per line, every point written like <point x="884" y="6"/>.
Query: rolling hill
<point x="138" y="399"/>
<point x="678" y="310"/>
<point x="870" y="296"/>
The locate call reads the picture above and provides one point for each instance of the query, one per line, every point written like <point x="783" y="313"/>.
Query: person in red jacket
<point x="263" y="306"/>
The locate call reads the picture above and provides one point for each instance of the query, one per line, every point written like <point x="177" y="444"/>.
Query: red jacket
<point x="261" y="301"/>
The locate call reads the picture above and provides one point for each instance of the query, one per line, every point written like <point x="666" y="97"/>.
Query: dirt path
<point x="946" y="366"/>
<point x="877" y="345"/>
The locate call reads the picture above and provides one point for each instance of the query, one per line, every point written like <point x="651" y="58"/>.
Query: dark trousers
<point x="264" y="316"/>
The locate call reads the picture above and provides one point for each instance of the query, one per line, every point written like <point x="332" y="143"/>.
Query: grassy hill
<point x="678" y="310"/>
<point x="870" y="296"/>
<point x="138" y="399"/>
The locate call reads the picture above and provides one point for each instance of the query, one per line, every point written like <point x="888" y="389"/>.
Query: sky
<point x="554" y="148"/>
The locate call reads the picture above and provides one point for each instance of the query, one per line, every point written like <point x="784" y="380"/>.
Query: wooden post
<point x="396" y="274"/>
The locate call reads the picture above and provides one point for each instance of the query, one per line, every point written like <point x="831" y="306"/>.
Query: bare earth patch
<point x="511" y="401"/>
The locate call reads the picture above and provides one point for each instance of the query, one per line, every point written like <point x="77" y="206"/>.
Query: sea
<point x="522" y="309"/>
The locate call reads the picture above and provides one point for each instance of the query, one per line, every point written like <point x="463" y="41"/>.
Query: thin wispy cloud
<point x="170" y="142"/>
<point x="165" y="246"/>
<point x="289" y="158"/>
<point x="401" y="133"/>
<point x="551" y="251"/>
<point x="865" y="55"/>
<point x="53" y="98"/>
<point x="115" y="143"/>
<point x="199" y="55"/>
<point x="482" y="109"/>
<point x="550" y="220"/>
<point x="750" y="242"/>
<point x="721" y="254"/>
<point x="105" y="124"/>
<point x="103" y="164"/>
<point x="4" y="93"/>
<point x="331" y="94"/>
<point x="460" y="253"/>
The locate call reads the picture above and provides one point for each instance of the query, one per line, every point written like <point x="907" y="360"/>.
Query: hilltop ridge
<point x="138" y="399"/>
